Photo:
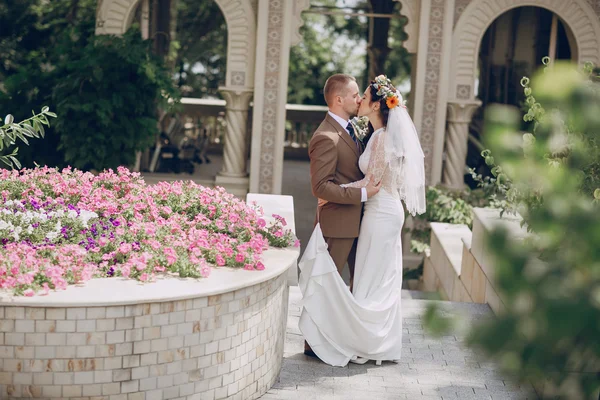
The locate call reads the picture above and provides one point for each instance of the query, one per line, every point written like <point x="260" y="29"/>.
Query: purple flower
<point x="110" y="272"/>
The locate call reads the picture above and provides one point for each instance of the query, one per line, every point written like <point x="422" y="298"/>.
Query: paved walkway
<point x="430" y="369"/>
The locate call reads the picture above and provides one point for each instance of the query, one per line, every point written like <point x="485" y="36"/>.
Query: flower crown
<point x="384" y="89"/>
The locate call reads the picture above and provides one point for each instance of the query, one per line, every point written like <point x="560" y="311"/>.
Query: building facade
<point x="455" y="44"/>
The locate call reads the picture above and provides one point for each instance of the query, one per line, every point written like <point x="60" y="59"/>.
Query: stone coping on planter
<point x="484" y="221"/>
<point x="442" y="268"/>
<point x="449" y="244"/>
<point x="121" y="291"/>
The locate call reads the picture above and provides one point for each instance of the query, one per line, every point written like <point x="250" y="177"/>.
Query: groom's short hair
<point x="336" y="86"/>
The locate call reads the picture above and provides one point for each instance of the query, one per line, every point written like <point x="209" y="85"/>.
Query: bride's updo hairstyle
<point x="383" y="91"/>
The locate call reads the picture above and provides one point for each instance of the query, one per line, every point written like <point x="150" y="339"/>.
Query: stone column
<point x="460" y="113"/>
<point x="277" y="30"/>
<point x="234" y="176"/>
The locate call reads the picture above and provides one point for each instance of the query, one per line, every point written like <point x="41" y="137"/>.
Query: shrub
<point x="550" y="284"/>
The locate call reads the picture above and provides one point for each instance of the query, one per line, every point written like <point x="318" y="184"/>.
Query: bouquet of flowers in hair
<point x="361" y="127"/>
<point x="386" y="89"/>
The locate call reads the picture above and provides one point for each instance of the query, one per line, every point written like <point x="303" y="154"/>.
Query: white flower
<point x="52" y="235"/>
<point x="72" y="214"/>
<point x="85" y="216"/>
<point x="16" y="233"/>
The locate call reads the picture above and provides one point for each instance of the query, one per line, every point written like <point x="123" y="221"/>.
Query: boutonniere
<point x="361" y="127"/>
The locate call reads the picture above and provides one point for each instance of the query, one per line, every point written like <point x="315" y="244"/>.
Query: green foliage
<point x="314" y="59"/>
<point x="513" y="198"/>
<point x="202" y="41"/>
<point x="444" y="205"/>
<point x="329" y="45"/>
<point x="32" y="127"/>
<point x="29" y="33"/>
<point x="107" y="104"/>
<point x="550" y="283"/>
<point x="398" y="63"/>
<point x="105" y="89"/>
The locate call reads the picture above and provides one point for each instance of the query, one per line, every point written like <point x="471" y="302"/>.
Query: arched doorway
<point x="513" y="46"/>
<point x="582" y="30"/>
<point x="116" y="16"/>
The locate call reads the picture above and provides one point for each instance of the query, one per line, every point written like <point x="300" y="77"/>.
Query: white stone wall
<point x="216" y="347"/>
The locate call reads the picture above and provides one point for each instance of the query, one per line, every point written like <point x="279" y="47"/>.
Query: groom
<point x="334" y="151"/>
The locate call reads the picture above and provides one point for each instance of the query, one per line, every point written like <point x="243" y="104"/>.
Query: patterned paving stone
<point x="430" y="369"/>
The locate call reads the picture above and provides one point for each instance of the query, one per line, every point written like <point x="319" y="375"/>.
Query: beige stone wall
<point x="222" y="346"/>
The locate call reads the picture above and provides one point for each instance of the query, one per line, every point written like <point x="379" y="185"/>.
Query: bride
<point x="366" y="324"/>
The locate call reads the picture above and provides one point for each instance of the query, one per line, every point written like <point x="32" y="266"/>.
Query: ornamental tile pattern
<point x="271" y="91"/>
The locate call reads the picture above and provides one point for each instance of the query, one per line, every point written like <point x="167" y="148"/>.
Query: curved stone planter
<point x="118" y="339"/>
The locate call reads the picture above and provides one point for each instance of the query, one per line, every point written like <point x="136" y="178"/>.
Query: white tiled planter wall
<point x="222" y="346"/>
<point x="116" y="339"/>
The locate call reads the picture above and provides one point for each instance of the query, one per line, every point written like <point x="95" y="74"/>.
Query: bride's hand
<point x="322" y="202"/>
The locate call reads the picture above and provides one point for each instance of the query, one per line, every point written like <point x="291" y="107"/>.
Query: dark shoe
<point x="310" y="353"/>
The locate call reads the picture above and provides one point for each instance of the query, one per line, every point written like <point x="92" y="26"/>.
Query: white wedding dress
<point x="340" y="325"/>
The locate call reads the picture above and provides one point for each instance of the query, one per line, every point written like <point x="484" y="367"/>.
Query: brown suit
<point x="334" y="161"/>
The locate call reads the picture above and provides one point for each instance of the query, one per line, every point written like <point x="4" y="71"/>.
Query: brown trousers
<point x="341" y="250"/>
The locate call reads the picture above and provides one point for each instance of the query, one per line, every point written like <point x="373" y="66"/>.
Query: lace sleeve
<point x="377" y="163"/>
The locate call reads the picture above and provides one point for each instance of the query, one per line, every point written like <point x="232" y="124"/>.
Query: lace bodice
<point x="373" y="163"/>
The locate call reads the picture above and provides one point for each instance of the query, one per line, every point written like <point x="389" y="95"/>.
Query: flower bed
<point x="65" y="227"/>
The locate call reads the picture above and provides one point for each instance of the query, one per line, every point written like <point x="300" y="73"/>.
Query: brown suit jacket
<point x="334" y="161"/>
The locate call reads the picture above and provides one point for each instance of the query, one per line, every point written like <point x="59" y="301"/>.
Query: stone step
<point x="418" y="294"/>
<point x="442" y="269"/>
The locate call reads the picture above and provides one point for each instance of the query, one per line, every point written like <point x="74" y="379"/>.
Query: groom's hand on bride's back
<point x="372" y="187"/>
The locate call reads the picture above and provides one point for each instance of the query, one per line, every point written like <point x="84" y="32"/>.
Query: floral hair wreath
<point x="384" y="89"/>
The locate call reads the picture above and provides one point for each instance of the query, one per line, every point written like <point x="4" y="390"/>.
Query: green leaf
<point x="15" y="162"/>
<point x="28" y="130"/>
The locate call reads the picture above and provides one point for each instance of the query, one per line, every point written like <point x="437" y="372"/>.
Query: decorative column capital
<point x="461" y="111"/>
<point x="236" y="98"/>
